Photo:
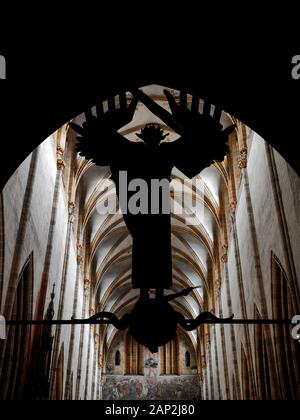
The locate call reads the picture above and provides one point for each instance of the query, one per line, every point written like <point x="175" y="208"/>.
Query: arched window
<point x="117" y="358"/>
<point x="187" y="359"/>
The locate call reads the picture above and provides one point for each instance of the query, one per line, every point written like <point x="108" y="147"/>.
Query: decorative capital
<point x="92" y="311"/>
<point x="243" y="158"/>
<point x="79" y="259"/>
<point x="224" y="257"/>
<point x="61" y="164"/>
<point x="71" y="207"/>
<point x="59" y="151"/>
<point x="233" y="205"/>
<point x="86" y="283"/>
<point x="218" y="283"/>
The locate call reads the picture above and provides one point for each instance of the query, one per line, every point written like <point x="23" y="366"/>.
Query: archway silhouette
<point x="254" y="104"/>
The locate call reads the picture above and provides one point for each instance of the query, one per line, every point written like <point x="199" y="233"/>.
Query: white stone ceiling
<point x="110" y="242"/>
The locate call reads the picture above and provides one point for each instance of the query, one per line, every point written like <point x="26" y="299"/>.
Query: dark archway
<point x="241" y="84"/>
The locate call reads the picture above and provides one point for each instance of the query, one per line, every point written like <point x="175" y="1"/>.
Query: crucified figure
<point x="202" y="140"/>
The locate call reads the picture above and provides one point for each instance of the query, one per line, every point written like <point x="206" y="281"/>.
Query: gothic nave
<point x="60" y="256"/>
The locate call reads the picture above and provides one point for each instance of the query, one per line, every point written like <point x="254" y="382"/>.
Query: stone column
<point x="75" y="308"/>
<point x="232" y="332"/>
<point x="95" y="364"/>
<point x="81" y="340"/>
<point x="91" y="330"/>
<point x="224" y="352"/>
<point x="61" y="301"/>
<point x="217" y="364"/>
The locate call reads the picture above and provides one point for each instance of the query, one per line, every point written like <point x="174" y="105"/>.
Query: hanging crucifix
<point x="153" y="321"/>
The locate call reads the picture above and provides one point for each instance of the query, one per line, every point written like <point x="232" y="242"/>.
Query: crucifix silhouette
<point x="153" y="321"/>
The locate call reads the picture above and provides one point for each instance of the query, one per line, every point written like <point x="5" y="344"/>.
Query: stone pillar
<point x="232" y="332"/>
<point x="81" y="340"/>
<point x="96" y="342"/>
<point x="91" y="331"/>
<point x="75" y="308"/>
<point x="211" y="377"/>
<point x="217" y="364"/>
<point x="224" y="352"/>
<point x="61" y="299"/>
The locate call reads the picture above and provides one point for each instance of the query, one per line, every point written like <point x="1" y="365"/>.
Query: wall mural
<point x="118" y="384"/>
<point x="151" y="387"/>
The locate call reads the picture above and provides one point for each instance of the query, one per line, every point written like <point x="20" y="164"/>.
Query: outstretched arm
<point x="187" y="123"/>
<point x="98" y="137"/>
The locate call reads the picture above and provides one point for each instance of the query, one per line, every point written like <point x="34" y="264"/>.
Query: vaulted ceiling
<point x="111" y="243"/>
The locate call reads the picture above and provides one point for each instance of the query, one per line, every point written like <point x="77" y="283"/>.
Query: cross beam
<point x="106" y="321"/>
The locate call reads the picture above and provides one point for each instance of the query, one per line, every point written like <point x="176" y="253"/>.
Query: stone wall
<point x="37" y="224"/>
<point x="265" y="224"/>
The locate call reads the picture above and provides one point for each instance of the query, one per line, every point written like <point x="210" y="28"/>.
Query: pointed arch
<point x="286" y="349"/>
<point x="16" y="358"/>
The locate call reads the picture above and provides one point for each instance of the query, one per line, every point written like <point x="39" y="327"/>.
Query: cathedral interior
<point x="60" y="257"/>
